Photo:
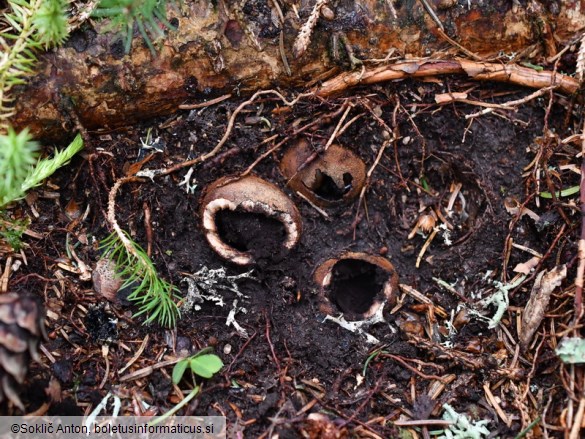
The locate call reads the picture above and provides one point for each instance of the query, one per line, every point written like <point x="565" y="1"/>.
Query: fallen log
<point x="241" y="46"/>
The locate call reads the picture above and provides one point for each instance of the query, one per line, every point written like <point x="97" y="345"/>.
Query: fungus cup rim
<point x="323" y="277"/>
<point x="248" y="194"/>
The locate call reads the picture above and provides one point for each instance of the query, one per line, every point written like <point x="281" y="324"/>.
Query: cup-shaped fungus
<point x="335" y="176"/>
<point x="356" y="284"/>
<point x="246" y="220"/>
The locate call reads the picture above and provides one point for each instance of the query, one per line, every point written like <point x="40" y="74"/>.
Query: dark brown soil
<point x="292" y="362"/>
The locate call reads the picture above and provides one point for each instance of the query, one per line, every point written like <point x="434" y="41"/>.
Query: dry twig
<point x="508" y="105"/>
<point x="206" y="103"/>
<point x="510" y="73"/>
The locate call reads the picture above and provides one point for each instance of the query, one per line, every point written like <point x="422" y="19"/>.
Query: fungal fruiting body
<point x="245" y="219"/>
<point x="332" y="177"/>
<point x="356" y="284"/>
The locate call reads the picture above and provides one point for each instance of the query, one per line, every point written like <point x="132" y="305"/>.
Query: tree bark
<point x="244" y="45"/>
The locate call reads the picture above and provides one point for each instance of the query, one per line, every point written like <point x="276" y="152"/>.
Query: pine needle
<point x="46" y="167"/>
<point x="16" y="61"/>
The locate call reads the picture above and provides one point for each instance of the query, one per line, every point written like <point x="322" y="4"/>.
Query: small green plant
<point x="154" y="296"/>
<point x="146" y="14"/>
<point x="18" y="154"/>
<point x="372" y="356"/>
<point x="51" y="23"/>
<point x="31" y="25"/>
<point x="11" y="231"/>
<point x="203" y="364"/>
<point x="21" y="170"/>
<point x="28" y="26"/>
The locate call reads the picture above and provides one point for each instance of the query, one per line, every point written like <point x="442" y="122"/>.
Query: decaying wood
<point x="240" y="46"/>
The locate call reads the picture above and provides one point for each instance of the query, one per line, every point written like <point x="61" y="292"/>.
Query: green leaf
<point x="571" y="350"/>
<point x="564" y="193"/>
<point x="179" y="370"/>
<point x="206" y="365"/>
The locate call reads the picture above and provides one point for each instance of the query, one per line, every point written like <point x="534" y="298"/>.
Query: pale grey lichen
<point x="462" y="427"/>
<point x="189" y="186"/>
<point x="206" y="284"/>
<point x="499" y="298"/>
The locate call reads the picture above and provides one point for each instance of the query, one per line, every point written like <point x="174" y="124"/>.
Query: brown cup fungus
<point x="246" y="220"/>
<point x="333" y="177"/>
<point x="356" y="284"/>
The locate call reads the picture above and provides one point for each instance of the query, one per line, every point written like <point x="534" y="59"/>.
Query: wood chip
<point x="528" y="266"/>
